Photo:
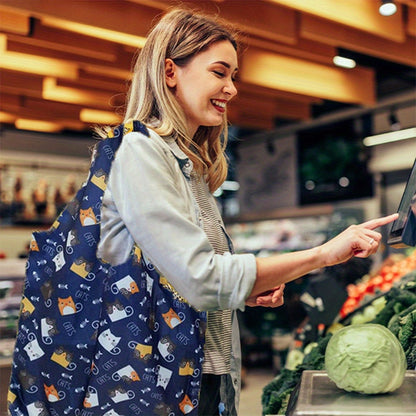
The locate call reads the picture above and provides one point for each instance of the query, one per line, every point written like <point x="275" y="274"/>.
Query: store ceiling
<point x="66" y="62"/>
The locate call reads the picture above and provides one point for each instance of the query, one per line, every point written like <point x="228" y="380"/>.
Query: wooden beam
<point x="308" y="78"/>
<point x="272" y="107"/>
<point x="357" y="14"/>
<point x="253" y="17"/>
<point x="259" y="91"/>
<point x="14" y="22"/>
<point x="72" y="43"/>
<point x="53" y="90"/>
<point x="19" y="83"/>
<point x="304" y="48"/>
<point x="61" y="44"/>
<point x="332" y="34"/>
<point x="117" y="15"/>
<point x="28" y="108"/>
<point x="36" y="108"/>
<point x="411" y="21"/>
<point x="29" y="63"/>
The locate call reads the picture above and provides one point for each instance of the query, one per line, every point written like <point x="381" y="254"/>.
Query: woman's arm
<point x="357" y="240"/>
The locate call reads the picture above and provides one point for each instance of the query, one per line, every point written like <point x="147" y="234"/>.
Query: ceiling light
<point x="37" y="125"/>
<point x="89" y="115"/>
<point x="392" y="136"/>
<point x="344" y="62"/>
<point x="387" y="8"/>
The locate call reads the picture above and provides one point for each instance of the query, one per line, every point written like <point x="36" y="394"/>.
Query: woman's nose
<point x="230" y="89"/>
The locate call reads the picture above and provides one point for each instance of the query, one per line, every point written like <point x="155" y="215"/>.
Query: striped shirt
<point x="219" y="330"/>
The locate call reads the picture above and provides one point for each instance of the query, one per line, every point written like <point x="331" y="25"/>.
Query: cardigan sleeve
<point x="147" y="201"/>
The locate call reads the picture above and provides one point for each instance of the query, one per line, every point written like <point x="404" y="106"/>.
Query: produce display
<point x="381" y="282"/>
<point x="394" y="309"/>
<point x="366" y="359"/>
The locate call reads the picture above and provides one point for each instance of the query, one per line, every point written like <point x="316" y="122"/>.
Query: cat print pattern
<point x="96" y="339"/>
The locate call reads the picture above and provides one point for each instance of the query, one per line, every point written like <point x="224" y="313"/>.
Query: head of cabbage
<point x="366" y="359"/>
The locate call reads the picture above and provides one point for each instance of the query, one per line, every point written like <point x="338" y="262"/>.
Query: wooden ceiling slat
<point x="21" y="107"/>
<point x="40" y="107"/>
<point x="411" y="21"/>
<point x="20" y="83"/>
<point x="357" y="14"/>
<point x="304" y="48"/>
<point x="117" y="15"/>
<point x="100" y="68"/>
<point x="15" y="22"/>
<point x="309" y="78"/>
<point x="59" y="40"/>
<point x="254" y="17"/>
<point x="261" y="91"/>
<point x="327" y="32"/>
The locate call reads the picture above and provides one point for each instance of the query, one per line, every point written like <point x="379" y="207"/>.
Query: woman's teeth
<point x="218" y="103"/>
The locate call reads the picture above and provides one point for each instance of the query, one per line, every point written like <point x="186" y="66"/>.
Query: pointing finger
<point x="378" y="222"/>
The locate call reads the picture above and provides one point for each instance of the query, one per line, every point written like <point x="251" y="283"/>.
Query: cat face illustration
<point x="127" y="374"/>
<point x="187" y="367"/>
<point x="87" y="217"/>
<point x="172" y="318"/>
<point x="91" y="398"/>
<point x="111" y="412"/>
<point x="26" y="307"/>
<point x="163" y="376"/>
<point x="62" y="357"/>
<point x="108" y="340"/>
<point x="166" y="348"/>
<point x="37" y="409"/>
<point x="143" y="352"/>
<point x="33" y="245"/>
<point x="33" y="350"/>
<point x="127" y="286"/>
<point x="186" y="405"/>
<point x="59" y="261"/>
<point x="72" y="239"/>
<point x="137" y="255"/>
<point x="116" y="311"/>
<point x="120" y="395"/>
<point x="66" y="306"/>
<point x="48" y="327"/>
<point x="81" y="267"/>
<point x="99" y="179"/>
<point x="51" y="393"/>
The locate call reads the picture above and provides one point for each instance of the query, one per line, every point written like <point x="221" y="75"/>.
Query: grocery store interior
<point x="322" y="135"/>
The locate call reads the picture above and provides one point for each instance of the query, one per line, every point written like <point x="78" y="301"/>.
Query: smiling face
<point x="205" y="85"/>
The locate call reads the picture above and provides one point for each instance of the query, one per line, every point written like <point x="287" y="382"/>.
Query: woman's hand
<point x="271" y="299"/>
<point x="357" y="240"/>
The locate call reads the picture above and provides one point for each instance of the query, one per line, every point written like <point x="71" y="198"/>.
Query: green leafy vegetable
<point x="366" y="359"/>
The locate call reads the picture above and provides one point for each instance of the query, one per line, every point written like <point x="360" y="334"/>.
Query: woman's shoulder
<point x="146" y="139"/>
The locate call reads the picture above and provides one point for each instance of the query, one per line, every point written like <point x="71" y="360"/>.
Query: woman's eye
<point x="219" y="73"/>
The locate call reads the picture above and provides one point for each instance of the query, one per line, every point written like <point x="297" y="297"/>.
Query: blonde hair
<point x="179" y="35"/>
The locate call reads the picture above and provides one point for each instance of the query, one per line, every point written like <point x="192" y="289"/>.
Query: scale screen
<point x="403" y="230"/>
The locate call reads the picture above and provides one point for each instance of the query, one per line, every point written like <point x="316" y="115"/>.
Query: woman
<point x="159" y="195"/>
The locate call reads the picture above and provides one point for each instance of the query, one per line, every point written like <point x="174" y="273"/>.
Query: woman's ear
<point x="170" y="73"/>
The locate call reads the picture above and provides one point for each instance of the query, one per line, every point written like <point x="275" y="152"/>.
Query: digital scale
<point x="319" y="396"/>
